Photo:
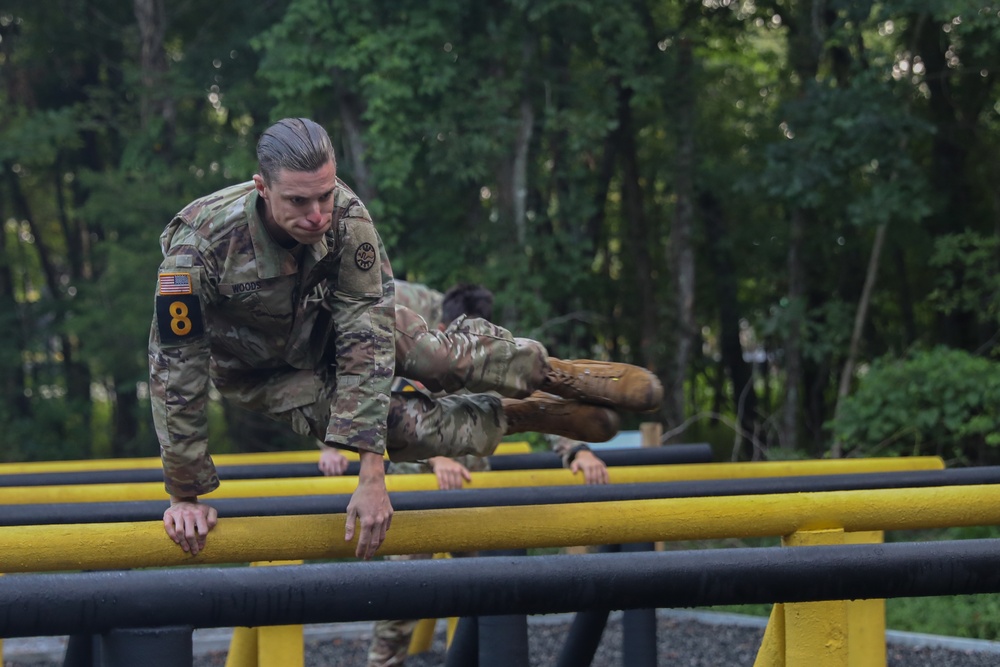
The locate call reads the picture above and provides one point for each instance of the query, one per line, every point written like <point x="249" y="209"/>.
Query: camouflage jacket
<point x="233" y="305"/>
<point x="421" y="299"/>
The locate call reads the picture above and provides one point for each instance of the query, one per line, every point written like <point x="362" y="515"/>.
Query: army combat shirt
<point x="271" y="327"/>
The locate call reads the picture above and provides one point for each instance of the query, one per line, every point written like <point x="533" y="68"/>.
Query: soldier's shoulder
<point x="217" y="213"/>
<point x="415" y="293"/>
<point x="348" y="204"/>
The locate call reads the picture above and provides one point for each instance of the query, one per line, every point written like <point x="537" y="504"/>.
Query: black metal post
<point x="464" y="649"/>
<point x="149" y="647"/>
<point x="586" y="630"/>
<point x="82" y="651"/>
<point x="503" y="640"/>
<point x="638" y="625"/>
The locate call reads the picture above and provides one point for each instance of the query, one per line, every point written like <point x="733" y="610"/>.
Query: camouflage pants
<point x="391" y="639"/>
<point x="471" y="354"/>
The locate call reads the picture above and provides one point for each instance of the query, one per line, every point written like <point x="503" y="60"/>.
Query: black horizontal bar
<point x="105" y="512"/>
<point x="691" y="453"/>
<point x="633" y="456"/>
<point x="96" y="602"/>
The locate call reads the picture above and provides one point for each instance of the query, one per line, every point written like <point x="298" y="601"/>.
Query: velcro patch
<point x="361" y="255"/>
<point x="175" y="283"/>
<point x="178" y="318"/>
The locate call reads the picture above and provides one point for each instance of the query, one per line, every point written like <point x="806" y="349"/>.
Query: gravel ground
<point x="683" y="642"/>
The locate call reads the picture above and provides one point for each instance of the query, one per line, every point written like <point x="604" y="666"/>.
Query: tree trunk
<point x="793" y="341"/>
<point x="744" y="395"/>
<point x="156" y="101"/>
<point x="860" y="316"/>
<point x="633" y="205"/>
<point x="805" y="48"/>
<point x="354" y="144"/>
<point x="681" y="250"/>
<point x="125" y="417"/>
<point x="12" y="374"/>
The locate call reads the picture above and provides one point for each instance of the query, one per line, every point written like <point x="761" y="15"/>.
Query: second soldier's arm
<point x="578" y="457"/>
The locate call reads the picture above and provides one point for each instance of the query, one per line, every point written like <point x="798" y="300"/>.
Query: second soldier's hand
<point x="449" y="472"/>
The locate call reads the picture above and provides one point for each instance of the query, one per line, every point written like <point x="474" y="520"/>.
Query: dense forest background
<point x="788" y="209"/>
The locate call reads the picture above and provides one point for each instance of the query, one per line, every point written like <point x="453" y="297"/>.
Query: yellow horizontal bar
<point x="249" y="458"/>
<point x="257" y="488"/>
<point x="238" y="540"/>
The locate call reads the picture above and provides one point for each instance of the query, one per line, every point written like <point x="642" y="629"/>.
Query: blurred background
<point x="788" y="209"/>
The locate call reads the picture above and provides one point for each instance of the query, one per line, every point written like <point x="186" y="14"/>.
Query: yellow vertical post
<point x="423" y="636"/>
<point x="866" y="632"/>
<point x="452" y="624"/>
<point x="280" y="645"/>
<point x="836" y="633"/>
<point x="816" y="632"/>
<point x="242" y="648"/>
<point x="772" y="646"/>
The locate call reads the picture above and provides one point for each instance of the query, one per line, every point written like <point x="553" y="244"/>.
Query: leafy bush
<point x="941" y="402"/>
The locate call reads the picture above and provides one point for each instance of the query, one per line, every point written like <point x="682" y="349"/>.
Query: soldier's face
<point x="298" y="204"/>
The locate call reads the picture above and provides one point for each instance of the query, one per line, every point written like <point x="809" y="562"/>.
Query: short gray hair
<point x="295" y="144"/>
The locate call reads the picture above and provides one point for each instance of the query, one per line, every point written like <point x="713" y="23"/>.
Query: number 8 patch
<point x="178" y="317"/>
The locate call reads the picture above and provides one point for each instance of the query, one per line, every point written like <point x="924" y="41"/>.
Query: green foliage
<point x="972" y="616"/>
<point x="872" y="114"/>
<point x="940" y="402"/>
<point x="967" y="276"/>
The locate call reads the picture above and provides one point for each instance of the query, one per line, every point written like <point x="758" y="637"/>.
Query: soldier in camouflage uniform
<point x="280" y="291"/>
<point x="391" y="638"/>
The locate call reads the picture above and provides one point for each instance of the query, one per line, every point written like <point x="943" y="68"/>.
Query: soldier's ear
<point x="258" y="182"/>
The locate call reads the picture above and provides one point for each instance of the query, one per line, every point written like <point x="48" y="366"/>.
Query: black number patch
<point x="178" y="318"/>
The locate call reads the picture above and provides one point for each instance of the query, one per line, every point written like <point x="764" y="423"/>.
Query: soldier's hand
<point x="332" y="462"/>
<point x="594" y="470"/>
<point x="187" y="522"/>
<point x="449" y="472"/>
<point x="369" y="506"/>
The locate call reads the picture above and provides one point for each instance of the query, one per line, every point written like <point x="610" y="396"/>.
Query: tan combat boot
<point x="544" y="413"/>
<point x="621" y="386"/>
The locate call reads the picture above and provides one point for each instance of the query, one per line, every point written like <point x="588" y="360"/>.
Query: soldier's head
<point x="466" y="299"/>
<point x="293" y="144"/>
<point x="297" y="179"/>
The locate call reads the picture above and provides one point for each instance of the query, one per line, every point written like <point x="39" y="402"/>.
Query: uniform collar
<point x="272" y="259"/>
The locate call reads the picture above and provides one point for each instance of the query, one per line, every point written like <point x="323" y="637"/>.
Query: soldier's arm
<point x="364" y="323"/>
<point x="363" y="309"/>
<point x="179" y="379"/>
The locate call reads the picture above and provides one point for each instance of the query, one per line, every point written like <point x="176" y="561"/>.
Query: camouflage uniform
<point x="467" y="362"/>
<point x="421" y="299"/>
<point x="277" y="331"/>
<point x="470" y="353"/>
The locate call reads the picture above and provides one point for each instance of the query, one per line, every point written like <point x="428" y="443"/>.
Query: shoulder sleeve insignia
<point x="178" y="318"/>
<point x="365" y="256"/>
<point x="175" y="283"/>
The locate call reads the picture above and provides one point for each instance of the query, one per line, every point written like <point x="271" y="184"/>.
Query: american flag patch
<point x="175" y="283"/>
